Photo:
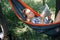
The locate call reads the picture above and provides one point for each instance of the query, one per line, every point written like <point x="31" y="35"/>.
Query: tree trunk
<point x="3" y="21"/>
<point x="57" y="7"/>
<point x="43" y="2"/>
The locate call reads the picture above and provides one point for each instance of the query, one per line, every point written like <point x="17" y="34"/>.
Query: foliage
<point x="19" y="30"/>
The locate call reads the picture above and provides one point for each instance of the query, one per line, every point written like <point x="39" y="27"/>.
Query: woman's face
<point x="29" y="14"/>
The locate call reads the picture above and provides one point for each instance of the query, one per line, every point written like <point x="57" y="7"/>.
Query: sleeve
<point x="36" y="20"/>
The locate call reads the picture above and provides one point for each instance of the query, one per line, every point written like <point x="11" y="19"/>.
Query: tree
<point x="57" y="6"/>
<point x="3" y="22"/>
<point x="43" y="2"/>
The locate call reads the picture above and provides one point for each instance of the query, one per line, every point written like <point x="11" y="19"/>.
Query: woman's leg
<point x="58" y="17"/>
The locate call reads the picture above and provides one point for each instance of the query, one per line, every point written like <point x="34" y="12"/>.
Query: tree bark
<point x="43" y="2"/>
<point x="3" y="20"/>
<point x="57" y="7"/>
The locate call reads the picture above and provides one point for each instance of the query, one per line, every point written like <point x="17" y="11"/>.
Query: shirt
<point x="37" y="20"/>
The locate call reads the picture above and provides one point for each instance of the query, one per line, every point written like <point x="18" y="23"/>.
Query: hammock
<point x="49" y="29"/>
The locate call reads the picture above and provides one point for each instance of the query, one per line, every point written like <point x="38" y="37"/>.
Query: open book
<point x="46" y="10"/>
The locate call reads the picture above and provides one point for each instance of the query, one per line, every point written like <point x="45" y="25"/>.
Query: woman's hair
<point x="24" y="12"/>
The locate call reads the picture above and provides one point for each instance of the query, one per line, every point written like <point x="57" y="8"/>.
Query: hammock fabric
<point x="50" y="29"/>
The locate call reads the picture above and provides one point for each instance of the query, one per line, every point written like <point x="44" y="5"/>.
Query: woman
<point x="37" y="20"/>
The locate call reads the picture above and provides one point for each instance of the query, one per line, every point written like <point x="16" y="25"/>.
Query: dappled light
<point x="22" y="31"/>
